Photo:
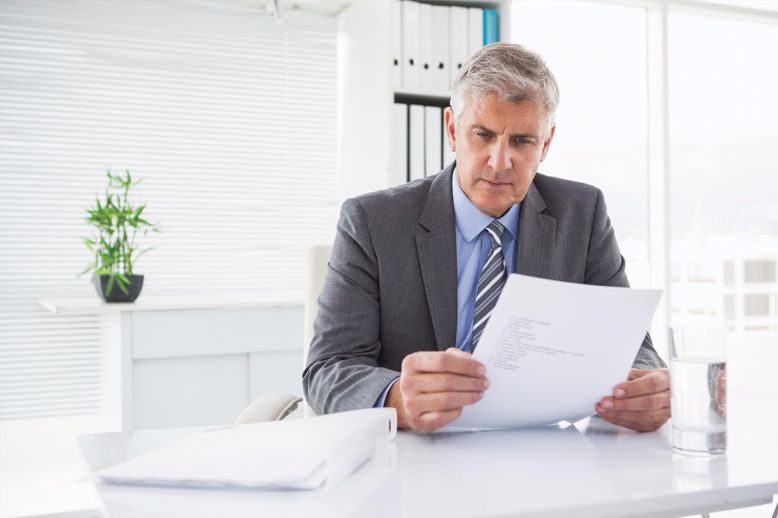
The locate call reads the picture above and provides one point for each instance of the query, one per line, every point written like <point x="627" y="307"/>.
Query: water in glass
<point x="699" y="404"/>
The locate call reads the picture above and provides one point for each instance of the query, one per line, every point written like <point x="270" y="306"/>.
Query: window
<point x="723" y="217"/>
<point x="760" y="271"/>
<point x="757" y="304"/>
<point x="601" y="123"/>
<point x="228" y="117"/>
<point x="723" y="207"/>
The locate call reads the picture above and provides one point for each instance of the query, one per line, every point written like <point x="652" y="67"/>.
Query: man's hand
<point x="434" y="386"/>
<point x="641" y="403"/>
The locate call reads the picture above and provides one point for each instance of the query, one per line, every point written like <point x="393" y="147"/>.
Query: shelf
<point x="94" y="306"/>
<point x="439" y="98"/>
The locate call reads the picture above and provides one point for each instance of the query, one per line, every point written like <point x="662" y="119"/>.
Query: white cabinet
<point x="177" y="363"/>
<point x="203" y="366"/>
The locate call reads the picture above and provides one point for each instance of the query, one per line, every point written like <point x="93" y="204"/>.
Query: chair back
<point x="316" y="268"/>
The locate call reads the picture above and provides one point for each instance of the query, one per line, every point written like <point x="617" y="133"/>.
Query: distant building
<point x="734" y="281"/>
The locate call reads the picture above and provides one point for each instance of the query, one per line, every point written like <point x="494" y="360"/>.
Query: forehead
<point x="495" y="113"/>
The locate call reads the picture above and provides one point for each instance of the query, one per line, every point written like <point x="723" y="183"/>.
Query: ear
<point x="547" y="143"/>
<point x="448" y="119"/>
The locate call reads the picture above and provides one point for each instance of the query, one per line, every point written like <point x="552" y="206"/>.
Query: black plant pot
<point x="117" y="295"/>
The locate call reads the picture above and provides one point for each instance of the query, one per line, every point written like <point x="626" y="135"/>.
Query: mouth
<point x="492" y="183"/>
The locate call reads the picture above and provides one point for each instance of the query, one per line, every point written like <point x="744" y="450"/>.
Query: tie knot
<point x="495" y="230"/>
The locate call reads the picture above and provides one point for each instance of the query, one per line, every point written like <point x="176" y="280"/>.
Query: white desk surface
<point x="592" y="469"/>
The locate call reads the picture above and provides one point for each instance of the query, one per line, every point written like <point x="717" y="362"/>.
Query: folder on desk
<point x="293" y="454"/>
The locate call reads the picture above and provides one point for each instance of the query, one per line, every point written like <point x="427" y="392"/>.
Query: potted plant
<point x="117" y="222"/>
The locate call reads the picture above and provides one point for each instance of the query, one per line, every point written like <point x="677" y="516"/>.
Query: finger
<point x="440" y="401"/>
<point x="655" y="380"/>
<point x="431" y="421"/>
<point x="650" y="417"/>
<point x="637" y="373"/>
<point x="434" y="361"/>
<point x="638" y="403"/>
<point x="638" y="426"/>
<point x="444" y="382"/>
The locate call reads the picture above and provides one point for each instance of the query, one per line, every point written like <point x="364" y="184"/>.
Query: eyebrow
<point x="514" y="135"/>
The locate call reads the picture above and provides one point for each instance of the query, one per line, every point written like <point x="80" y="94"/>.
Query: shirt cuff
<point x="382" y="398"/>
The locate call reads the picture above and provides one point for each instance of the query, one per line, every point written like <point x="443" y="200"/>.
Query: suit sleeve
<point x="342" y="371"/>
<point x="605" y="266"/>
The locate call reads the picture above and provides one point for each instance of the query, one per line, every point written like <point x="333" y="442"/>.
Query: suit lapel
<point x="438" y="258"/>
<point x="537" y="234"/>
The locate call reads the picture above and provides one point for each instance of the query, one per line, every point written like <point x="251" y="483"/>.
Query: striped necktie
<point x="490" y="282"/>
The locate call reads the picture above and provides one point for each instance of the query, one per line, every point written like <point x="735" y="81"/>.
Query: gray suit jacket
<point x="391" y="285"/>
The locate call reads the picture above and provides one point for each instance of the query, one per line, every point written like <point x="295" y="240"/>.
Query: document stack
<point x="293" y="454"/>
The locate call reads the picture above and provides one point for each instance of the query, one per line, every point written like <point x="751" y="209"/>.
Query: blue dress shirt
<point x="473" y="246"/>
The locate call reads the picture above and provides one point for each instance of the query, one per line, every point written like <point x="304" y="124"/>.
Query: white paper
<point x="553" y="349"/>
<point x="292" y="454"/>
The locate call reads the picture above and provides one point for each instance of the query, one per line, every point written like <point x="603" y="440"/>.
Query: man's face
<point x="498" y="145"/>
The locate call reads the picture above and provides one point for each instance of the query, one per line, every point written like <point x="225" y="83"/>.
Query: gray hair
<point x="510" y="71"/>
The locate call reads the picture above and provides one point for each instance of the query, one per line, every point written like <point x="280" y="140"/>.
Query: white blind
<point x="228" y="117"/>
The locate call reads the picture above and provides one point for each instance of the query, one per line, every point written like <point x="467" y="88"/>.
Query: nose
<point x="499" y="156"/>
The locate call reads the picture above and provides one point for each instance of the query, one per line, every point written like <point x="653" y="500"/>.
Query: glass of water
<point x="698" y="379"/>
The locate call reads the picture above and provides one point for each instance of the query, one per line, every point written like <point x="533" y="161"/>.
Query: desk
<point x="592" y="469"/>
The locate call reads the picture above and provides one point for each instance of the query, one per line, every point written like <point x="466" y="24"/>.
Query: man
<point x="416" y="269"/>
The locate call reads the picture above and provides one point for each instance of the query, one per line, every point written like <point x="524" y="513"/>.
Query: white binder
<point x="475" y="29"/>
<point x="410" y="47"/>
<point x="457" y="39"/>
<point x="416" y="138"/>
<point x="399" y="158"/>
<point x="397" y="44"/>
<point x="440" y="55"/>
<point x="448" y="155"/>
<point x="432" y="142"/>
<point x="425" y="46"/>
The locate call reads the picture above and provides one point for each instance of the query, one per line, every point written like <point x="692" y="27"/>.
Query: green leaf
<point x="109" y="286"/>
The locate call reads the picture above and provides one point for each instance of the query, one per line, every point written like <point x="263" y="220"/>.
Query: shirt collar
<point x="471" y="221"/>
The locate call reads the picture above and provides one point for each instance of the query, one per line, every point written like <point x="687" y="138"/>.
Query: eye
<point x="519" y="141"/>
<point x="483" y="134"/>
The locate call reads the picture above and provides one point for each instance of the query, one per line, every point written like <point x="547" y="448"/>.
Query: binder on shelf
<point x="432" y="142"/>
<point x="416" y="138"/>
<point x="410" y="47"/>
<point x="425" y="46"/>
<point x="439" y="48"/>
<point x="491" y="26"/>
<point x="448" y="155"/>
<point x="457" y="40"/>
<point x="397" y="44"/>
<point x="399" y="159"/>
<point x="475" y="29"/>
